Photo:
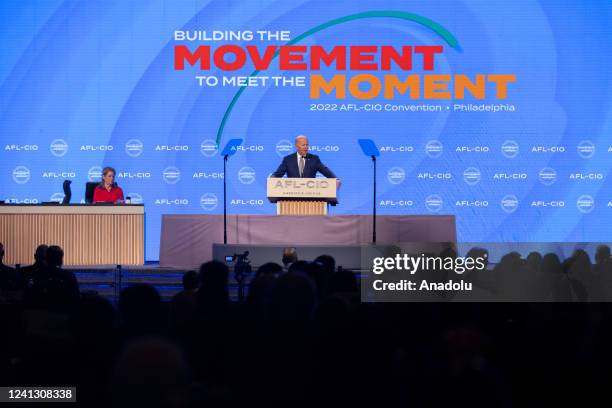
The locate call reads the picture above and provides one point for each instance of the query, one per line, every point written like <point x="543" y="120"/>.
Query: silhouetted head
<point x="551" y="264"/>
<point x="534" y="260"/>
<point x="54" y="256"/>
<point x="602" y="254"/>
<point x="481" y="253"/>
<point x="190" y="280"/>
<point x="270" y="268"/>
<point x="40" y="254"/>
<point x="1" y="252"/>
<point x="578" y="263"/>
<point x="328" y="262"/>
<point x="214" y="277"/>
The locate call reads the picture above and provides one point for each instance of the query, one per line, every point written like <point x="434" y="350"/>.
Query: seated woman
<point x="108" y="191"/>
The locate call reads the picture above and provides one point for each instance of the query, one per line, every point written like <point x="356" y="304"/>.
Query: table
<point x="89" y="234"/>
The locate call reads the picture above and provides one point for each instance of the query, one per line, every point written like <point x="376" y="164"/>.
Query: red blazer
<point x="101" y="195"/>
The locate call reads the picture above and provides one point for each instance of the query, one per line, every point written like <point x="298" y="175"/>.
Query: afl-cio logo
<point x="509" y="203"/>
<point x="284" y="147"/>
<point x="134" y="147"/>
<point x="510" y="149"/>
<point x="434" y="203"/>
<point x="434" y="149"/>
<point x="396" y="175"/>
<point x="585" y="204"/>
<point x="94" y="173"/>
<point x="21" y="174"/>
<point x="171" y="175"/>
<point x="209" y="201"/>
<point x="471" y="176"/>
<point x="586" y="149"/>
<point x="208" y="148"/>
<point x="246" y="175"/>
<point x="547" y="176"/>
<point x="59" y="147"/>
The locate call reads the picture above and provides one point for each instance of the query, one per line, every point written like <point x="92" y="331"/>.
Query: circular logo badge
<point x="171" y="175"/>
<point x="586" y="149"/>
<point x="134" y="147"/>
<point x="57" y="197"/>
<point x="246" y="175"/>
<point x="21" y="175"/>
<point x="396" y="175"/>
<point x="471" y="176"/>
<point x="434" y="203"/>
<point x="434" y="149"/>
<point x="585" y="204"/>
<point x="94" y="173"/>
<point x="135" y="198"/>
<point x="284" y="147"/>
<point x="59" y="147"/>
<point x="510" y="149"/>
<point x="209" y="201"/>
<point x="547" y="176"/>
<point x="208" y="148"/>
<point x="509" y="203"/>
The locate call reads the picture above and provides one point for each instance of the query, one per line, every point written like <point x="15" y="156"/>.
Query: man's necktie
<point x="302" y="163"/>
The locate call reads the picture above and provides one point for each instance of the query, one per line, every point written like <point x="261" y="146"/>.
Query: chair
<point x="89" y="191"/>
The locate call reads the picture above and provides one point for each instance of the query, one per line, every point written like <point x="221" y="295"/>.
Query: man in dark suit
<point x="301" y="163"/>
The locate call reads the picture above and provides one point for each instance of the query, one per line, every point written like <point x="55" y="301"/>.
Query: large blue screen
<point x="85" y="84"/>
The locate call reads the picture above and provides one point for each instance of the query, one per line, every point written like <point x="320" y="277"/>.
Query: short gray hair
<point x="298" y="137"/>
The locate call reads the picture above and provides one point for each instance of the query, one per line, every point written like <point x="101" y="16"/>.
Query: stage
<point x="187" y="240"/>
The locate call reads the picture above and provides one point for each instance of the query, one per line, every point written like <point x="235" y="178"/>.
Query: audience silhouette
<point x="303" y="337"/>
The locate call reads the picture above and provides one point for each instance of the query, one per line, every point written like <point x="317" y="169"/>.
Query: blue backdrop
<point x="84" y="84"/>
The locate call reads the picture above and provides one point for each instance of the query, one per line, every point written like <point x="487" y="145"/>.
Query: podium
<point x="302" y="196"/>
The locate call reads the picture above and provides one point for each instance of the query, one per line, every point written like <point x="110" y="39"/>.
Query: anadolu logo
<point x="434" y="149"/>
<point x="586" y="149"/>
<point x="510" y="149"/>
<point x="434" y="203"/>
<point x="135" y="198"/>
<point x="246" y="175"/>
<point x="510" y="203"/>
<point x="209" y="201"/>
<point x="585" y="204"/>
<point x="208" y="148"/>
<point x="134" y="147"/>
<point x="59" y="147"/>
<point x="547" y="176"/>
<point x="284" y="147"/>
<point x="396" y="175"/>
<point x="171" y="175"/>
<point x="57" y="197"/>
<point x="94" y="173"/>
<point x="471" y="176"/>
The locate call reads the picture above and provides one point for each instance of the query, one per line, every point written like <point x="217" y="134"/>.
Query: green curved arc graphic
<point x="432" y="25"/>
